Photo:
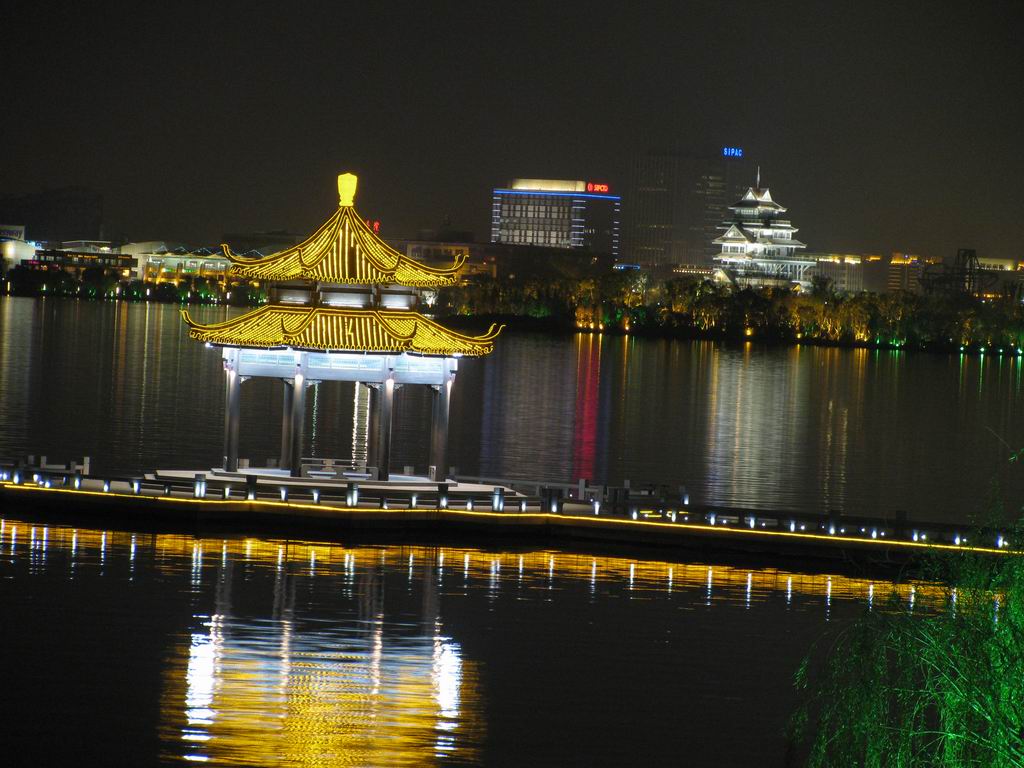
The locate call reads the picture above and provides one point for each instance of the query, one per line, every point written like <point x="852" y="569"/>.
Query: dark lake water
<point x="806" y="428"/>
<point x="125" y="648"/>
<point x="129" y="648"/>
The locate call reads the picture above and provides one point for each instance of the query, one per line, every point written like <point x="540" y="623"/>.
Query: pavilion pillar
<point x="385" y="407"/>
<point x="285" y="461"/>
<point x="372" y="424"/>
<point x="442" y="395"/>
<point x="298" y="424"/>
<point x="232" y="401"/>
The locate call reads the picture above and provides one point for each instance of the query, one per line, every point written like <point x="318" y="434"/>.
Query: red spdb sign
<point x="592" y="187"/>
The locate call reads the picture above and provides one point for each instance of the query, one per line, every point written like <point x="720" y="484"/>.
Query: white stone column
<point x="442" y="395"/>
<point x="232" y="403"/>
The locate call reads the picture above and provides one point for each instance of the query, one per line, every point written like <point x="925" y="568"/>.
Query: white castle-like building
<point x="758" y="247"/>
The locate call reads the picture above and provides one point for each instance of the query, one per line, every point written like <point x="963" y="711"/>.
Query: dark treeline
<point x="631" y="301"/>
<point x="97" y="283"/>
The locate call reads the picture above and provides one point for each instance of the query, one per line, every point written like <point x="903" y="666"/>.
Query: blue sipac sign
<point x="732" y="151"/>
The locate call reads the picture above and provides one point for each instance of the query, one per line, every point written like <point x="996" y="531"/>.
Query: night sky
<point x="881" y="126"/>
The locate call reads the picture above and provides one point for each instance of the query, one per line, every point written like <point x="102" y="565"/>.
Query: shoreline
<point x="553" y="325"/>
<point x="525" y="324"/>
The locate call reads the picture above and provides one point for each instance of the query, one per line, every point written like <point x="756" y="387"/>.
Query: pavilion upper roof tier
<point x="331" y="329"/>
<point x="344" y="250"/>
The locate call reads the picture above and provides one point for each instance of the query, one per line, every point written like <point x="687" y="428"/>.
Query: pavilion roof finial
<point x="347" y="183"/>
<point x="757" y="184"/>
<point x="344" y="250"/>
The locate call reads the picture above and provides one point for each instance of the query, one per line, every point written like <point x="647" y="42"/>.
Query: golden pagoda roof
<point x="344" y="250"/>
<point x="323" y="329"/>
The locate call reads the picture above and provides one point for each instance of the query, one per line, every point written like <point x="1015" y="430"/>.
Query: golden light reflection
<point x="166" y="550"/>
<point x="245" y="695"/>
<point x="292" y="688"/>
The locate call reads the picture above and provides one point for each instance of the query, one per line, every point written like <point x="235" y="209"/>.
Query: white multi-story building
<point x="758" y="247"/>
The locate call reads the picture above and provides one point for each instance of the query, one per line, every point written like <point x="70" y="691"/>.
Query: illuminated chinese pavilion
<point x="343" y="307"/>
<point x="758" y="247"/>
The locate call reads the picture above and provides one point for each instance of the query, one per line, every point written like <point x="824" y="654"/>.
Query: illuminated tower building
<point x="676" y="200"/>
<point x="343" y="308"/>
<point x="758" y="247"/>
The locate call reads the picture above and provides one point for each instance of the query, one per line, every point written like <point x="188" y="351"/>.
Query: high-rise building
<point x="554" y="213"/>
<point x="675" y="202"/>
<point x="906" y="270"/>
<point x="757" y="245"/>
<point x="844" y="271"/>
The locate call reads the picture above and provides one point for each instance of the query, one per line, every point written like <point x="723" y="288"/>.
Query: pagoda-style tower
<point x="758" y="247"/>
<point x="343" y="307"/>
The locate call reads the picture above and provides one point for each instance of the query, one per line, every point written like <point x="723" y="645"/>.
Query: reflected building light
<point x="447" y="679"/>
<point x="14" y="537"/>
<point x="871" y="596"/>
<point x="224" y="554"/>
<point x="410" y="566"/>
<point x="103" y="547"/>
<point x="828" y="598"/>
<point x="465" y="566"/>
<point x="913" y="595"/>
<point x="670" y="581"/>
<point x="789" y="590"/>
<point x="201" y="682"/>
<point x="750" y="583"/>
<point x="632" y="575"/>
<point x="284" y="655"/>
<point x="376" y="656"/>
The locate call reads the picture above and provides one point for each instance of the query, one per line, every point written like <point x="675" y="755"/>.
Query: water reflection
<point x="303" y="653"/>
<point x="808" y="428"/>
<point x="257" y="694"/>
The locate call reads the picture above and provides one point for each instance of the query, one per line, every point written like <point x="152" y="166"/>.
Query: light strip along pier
<point x="483" y="507"/>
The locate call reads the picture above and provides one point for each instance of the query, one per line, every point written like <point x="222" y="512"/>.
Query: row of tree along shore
<point x="630" y="302"/>
<point x="702" y="309"/>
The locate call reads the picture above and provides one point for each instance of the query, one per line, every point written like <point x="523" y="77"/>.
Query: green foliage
<point x="705" y="309"/>
<point x="942" y="684"/>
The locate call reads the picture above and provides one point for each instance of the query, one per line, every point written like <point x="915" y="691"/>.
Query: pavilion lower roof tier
<point x="329" y="329"/>
<point x="344" y="251"/>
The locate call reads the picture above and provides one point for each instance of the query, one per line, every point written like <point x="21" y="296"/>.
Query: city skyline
<point x="884" y="128"/>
